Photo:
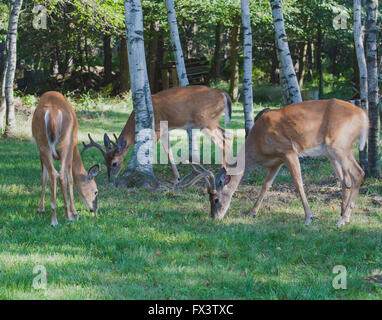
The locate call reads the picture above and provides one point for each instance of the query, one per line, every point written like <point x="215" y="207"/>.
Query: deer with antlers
<point x="54" y="127"/>
<point x="311" y="128"/>
<point x="183" y="108"/>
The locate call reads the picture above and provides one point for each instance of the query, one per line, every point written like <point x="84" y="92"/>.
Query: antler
<point x="93" y="144"/>
<point x="202" y="173"/>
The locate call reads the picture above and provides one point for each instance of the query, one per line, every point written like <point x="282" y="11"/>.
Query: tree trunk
<point x="372" y="72"/>
<point x="3" y="72"/>
<point x="12" y="60"/>
<point x="309" y="54"/>
<point x="359" y="38"/>
<point x="159" y="60"/>
<point x="152" y="56"/>
<point x="234" y="78"/>
<point x="178" y="53"/>
<point x="247" y="78"/>
<point x="124" y="66"/>
<point x="283" y="79"/>
<point x="286" y="59"/>
<point x="216" y="62"/>
<point x="302" y="63"/>
<point x="107" y="58"/>
<point x="142" y="158"/>
<point x="179" y="60"/>
<point x="319" y="63"/>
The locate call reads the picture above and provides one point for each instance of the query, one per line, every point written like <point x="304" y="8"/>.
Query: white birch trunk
<point x="247" y="77"/>
<point x="11" y="69"/>
<point x="372" y="72"/>
<point x="3" y="70"/>
<point x="359" y="37"/>
<point x="144" y="116"/>
<point x="285" y="56"/>
<point x="180" y="67"/>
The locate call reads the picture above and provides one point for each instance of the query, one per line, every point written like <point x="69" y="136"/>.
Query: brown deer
<point x="311" y="128"/>
<point x="54" y="127"/>
<point x="183" y="108"/>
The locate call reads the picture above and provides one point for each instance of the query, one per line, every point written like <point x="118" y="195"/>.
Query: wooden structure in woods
<point x="197" y="71"/>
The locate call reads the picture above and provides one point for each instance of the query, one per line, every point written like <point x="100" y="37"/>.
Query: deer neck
<point x="78" y="169"/>
<point x="128" y="133"/>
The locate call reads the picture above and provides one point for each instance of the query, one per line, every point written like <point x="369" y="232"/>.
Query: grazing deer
<point x="54" y="127"/>
<point x="183" y="108"/>
<point x="311" y="128"/>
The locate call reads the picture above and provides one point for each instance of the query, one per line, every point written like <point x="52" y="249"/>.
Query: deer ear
<point x="122" y="145"/>
<point x="93" y="171"/>
<point x="106" y="141"/>
<point x="222" y="179"/>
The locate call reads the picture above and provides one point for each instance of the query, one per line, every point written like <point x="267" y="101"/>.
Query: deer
<point x="54" y="128"/>
<point x="310" y="128"/>
<point x="183" y="108"/>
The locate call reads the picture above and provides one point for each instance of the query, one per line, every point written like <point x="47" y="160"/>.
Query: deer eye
<point x="96" y="193"/>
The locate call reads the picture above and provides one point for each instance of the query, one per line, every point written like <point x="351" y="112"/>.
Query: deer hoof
<point x="42" y="212"/>
<point x="54" y="224"/>
<point x="75" y="216"/>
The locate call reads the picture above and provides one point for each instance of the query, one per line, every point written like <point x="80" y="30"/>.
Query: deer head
<point x="220" y="195"/>
<point x="114" y="153"/>
<point x="87" y="188"/>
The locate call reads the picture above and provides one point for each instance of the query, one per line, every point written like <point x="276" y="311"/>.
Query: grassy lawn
<point x="163" y="245"/>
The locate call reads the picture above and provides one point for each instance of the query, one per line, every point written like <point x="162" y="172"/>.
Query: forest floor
<point x="163" y="245"/>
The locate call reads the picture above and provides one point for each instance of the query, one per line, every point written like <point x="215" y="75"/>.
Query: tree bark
<point x="234" y="78"/>
<point x="247" y="77"/>
<point x="142" y="158"/>
<point x="11" y="69"/>
<point x="359" y="38"/>
<point x="319" y="62"/>
<point x="3" y="72"/>
<point x="283" y="79"/>
<point x="302" y="64"/>
<point x="179" y="60"/>
<point x="216" y="62"/>
<point x="107" y="58"/>
<point x="152" y="56"/>
<point x="124" y="66"/>
<point x="372" y="72"/>
<point x="286" y="59"/>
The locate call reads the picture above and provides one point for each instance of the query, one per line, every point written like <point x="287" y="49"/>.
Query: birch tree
<point x="3" y="72"/>
<point x="179" y="61"/>
<point x="11" y="66"/>
<point x="372" y="72"/>
<point x="359" y="37"/>
<point x="141" y="161"/>
<point x="247" y="77"/>
<point x="294" y="95"/>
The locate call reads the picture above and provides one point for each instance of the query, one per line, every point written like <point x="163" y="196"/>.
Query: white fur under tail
<point x="227" y="118"/>
<point x="52" y="144"/>
<point x="363" y="137"/>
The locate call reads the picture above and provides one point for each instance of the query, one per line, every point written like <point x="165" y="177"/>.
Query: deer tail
<point x="53" y="124"/>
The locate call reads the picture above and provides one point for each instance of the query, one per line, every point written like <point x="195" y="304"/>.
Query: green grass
<point x="163" y="245"/>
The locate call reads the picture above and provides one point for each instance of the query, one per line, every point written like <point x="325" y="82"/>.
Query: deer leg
<point x="269" y="178"/>
<point x="71" y="194"/>
<point x="218" y="140"/>
<point x="46" y="159"/>
<point x="165" y="140"/>
<point x="227" y="139"/>
<point x="343" y="177"/>
<point x="63" y="177"/>
<point x="350" y="165"/>
<point x="44" y="180"/>
<point x="293" y="164"/>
